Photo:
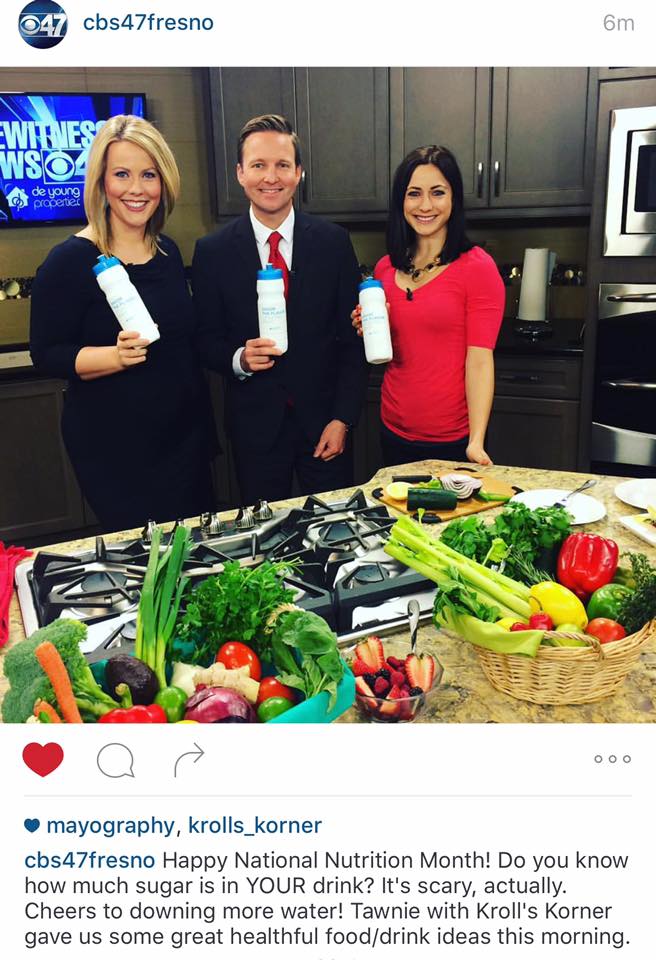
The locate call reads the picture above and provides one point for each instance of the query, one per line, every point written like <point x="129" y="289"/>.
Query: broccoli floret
<point x="28" y="682"/>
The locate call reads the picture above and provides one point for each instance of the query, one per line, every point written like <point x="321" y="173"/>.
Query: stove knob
<point x="262" y="510"/>
<point x="245" y="519"/>
<point x="210" y="525"/>
<point x="147" y="532"/>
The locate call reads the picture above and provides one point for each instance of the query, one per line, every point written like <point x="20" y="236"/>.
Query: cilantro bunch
<point x="528" y="535"/>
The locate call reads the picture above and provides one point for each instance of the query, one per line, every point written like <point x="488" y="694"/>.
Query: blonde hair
<point x="145" y="135"/>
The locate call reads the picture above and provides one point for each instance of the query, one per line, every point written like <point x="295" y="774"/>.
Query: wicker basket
<point x="559" y="675"/>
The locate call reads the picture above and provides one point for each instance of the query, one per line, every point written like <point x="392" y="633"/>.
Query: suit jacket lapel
<point x="301" y="255"/>
<point x="246" y="246"/>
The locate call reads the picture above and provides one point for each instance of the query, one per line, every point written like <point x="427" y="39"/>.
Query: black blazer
<point x="324" y="370"/>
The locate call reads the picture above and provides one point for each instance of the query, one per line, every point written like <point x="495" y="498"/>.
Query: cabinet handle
<point x="304" y="186"/>
<point x="628" y="385"/>
<point x="519" y="378"/>
<point x="497" y="177"/>
<point x="480" y="170"/>
<point x="633" y="298"/>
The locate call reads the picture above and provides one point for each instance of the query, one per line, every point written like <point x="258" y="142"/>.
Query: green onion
<point x="160" y="600"/>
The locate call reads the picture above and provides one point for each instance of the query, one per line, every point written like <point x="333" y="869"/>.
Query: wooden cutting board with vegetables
<point x="446" y="496"/>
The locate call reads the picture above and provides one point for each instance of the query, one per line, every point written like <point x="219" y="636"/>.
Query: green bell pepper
<point x="172" y="700"/>
<point x="607" y="601"/>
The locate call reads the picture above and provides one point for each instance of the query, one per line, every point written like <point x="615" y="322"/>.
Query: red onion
<point x="219" y="705"/>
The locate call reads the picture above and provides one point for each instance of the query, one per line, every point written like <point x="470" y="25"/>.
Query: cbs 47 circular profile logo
<point x="42" y="24"/>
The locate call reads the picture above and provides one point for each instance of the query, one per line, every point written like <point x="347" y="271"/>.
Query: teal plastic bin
<point x="315" y="710"/>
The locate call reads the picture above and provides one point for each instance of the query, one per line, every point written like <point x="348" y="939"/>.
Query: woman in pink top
<point x="445" y="300"/>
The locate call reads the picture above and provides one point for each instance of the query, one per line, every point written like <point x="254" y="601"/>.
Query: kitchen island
<point x="465" y="695"/>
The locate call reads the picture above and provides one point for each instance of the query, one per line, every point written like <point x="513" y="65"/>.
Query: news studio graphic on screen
<point x="44" y="145"/>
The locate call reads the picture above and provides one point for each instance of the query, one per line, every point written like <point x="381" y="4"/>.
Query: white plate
<point x="584" y="509"/>
<point x="637" y="493"/>
<point x="643" y="530"/>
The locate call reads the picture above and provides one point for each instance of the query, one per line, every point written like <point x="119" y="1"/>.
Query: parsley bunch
<point x="235" y="605"/>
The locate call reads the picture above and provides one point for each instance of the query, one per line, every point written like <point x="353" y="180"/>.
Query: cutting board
<point x="491" y="484"/>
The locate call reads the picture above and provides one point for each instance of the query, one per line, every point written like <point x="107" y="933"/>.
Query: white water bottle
<point x="375" y="322"/>
<point x="124" y="299"/>
<point x="271" y="306"/>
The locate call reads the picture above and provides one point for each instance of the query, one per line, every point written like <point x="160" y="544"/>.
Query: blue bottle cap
<point x="370" y="283"/>
<point x="104" y="263"/>
<point x="270" y="273"/>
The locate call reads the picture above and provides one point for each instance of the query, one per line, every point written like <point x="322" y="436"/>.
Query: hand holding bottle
<point x="132" y="348"/>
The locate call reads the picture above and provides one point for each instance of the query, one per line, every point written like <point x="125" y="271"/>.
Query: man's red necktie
<point x="277" y="260"/>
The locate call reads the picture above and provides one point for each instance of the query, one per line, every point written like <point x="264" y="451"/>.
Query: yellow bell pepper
<point x="561" y="604"/>
<point x="507" y="622"/>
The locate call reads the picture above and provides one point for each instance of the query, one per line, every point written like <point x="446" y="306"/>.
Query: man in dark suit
<point x="293" y="411"/>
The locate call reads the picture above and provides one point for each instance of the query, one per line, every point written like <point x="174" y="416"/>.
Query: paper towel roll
<point x="536" y="273"/>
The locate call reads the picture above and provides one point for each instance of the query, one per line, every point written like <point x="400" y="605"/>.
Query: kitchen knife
<point x="413" y="478"/>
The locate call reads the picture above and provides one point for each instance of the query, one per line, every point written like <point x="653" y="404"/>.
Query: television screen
<point x="44" y="144"/>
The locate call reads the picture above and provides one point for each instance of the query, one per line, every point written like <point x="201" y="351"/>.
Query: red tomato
<point x="234" y="654"/>
<point x="270" y="687"/>
<point x="605" y="630"/>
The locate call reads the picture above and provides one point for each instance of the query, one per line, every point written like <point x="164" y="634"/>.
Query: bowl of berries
<point x="391" y="680"/>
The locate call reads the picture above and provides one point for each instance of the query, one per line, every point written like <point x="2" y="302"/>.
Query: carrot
<point x="53" y="666"/>
<point x="42" y="706"/>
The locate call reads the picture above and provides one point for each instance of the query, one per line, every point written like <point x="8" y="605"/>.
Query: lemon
<point x="397" y="490"/>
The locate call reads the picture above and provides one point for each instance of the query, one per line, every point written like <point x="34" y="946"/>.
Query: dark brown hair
<point x="401" y="238"/>
<point x="269" y="123"/>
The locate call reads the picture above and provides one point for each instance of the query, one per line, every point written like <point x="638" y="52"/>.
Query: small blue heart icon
<point x="32" y="825"/>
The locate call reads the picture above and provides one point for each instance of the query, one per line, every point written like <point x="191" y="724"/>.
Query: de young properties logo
<point x="42" y="24"/>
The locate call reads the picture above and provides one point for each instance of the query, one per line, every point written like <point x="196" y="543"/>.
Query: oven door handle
<point x="632" y="298"/>
<point x="628" y="385"/>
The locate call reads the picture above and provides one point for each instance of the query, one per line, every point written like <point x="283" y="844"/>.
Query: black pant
<point x="268" y="474"/>
<point x="397" y="450"/>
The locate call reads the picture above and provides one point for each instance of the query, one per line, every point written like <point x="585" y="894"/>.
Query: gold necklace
<point x="415" y="272"/>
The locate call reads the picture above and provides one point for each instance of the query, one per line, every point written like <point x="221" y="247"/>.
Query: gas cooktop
<point x="341" y="571"/>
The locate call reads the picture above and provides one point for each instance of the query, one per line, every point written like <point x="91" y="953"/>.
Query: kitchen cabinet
<point x="367" y="455"/>
<point x="535" y="415"/>
<point x="342" y="117"/>
<point x="235" y="95"/>
<point x="446" y="106"/>
<point x="523" y="136"/>
<point x="39" y="494"/>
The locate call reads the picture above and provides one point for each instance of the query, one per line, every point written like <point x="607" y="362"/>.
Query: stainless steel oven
<point x="624" y="401"/>
<point x="630" y="226"/>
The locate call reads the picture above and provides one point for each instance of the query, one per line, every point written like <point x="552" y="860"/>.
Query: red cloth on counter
<point x="9" y="557"/>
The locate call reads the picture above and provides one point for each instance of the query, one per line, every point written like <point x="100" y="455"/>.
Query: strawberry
<point x="359" y="668"/>
<point x="420" y="671"/>
<point x="396" y="693"/>
<point x="371" y="652"/>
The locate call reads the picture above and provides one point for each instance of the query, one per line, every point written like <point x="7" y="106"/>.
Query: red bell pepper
<point x="139" y="714"/>
<point x="586" y="562"/>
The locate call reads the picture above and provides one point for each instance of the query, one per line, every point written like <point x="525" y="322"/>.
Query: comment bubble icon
<point x="115" y="760"/>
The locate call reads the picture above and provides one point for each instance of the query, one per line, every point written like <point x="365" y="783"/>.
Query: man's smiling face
<point x="269" y="175"/>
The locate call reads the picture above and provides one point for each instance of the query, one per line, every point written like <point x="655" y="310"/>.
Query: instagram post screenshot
<point x="327" y="421"/>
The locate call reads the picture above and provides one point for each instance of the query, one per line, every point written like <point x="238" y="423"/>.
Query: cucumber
<point x="431" y="499"/>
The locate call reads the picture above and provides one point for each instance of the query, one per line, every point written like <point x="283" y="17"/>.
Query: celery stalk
<point x="438" y="573"/>
<point x="426" y="551"/>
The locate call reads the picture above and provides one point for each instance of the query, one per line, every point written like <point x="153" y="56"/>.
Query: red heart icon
<point x="43" y="758"/>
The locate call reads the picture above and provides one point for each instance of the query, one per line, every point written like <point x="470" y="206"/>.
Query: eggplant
<point x="136" y="674"/>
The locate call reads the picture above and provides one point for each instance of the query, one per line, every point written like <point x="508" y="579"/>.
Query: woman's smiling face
<point x="133" y="186"/>
<point x="428" y="201"/>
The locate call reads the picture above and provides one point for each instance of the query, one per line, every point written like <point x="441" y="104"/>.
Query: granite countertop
<point x="465" y="695"/>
